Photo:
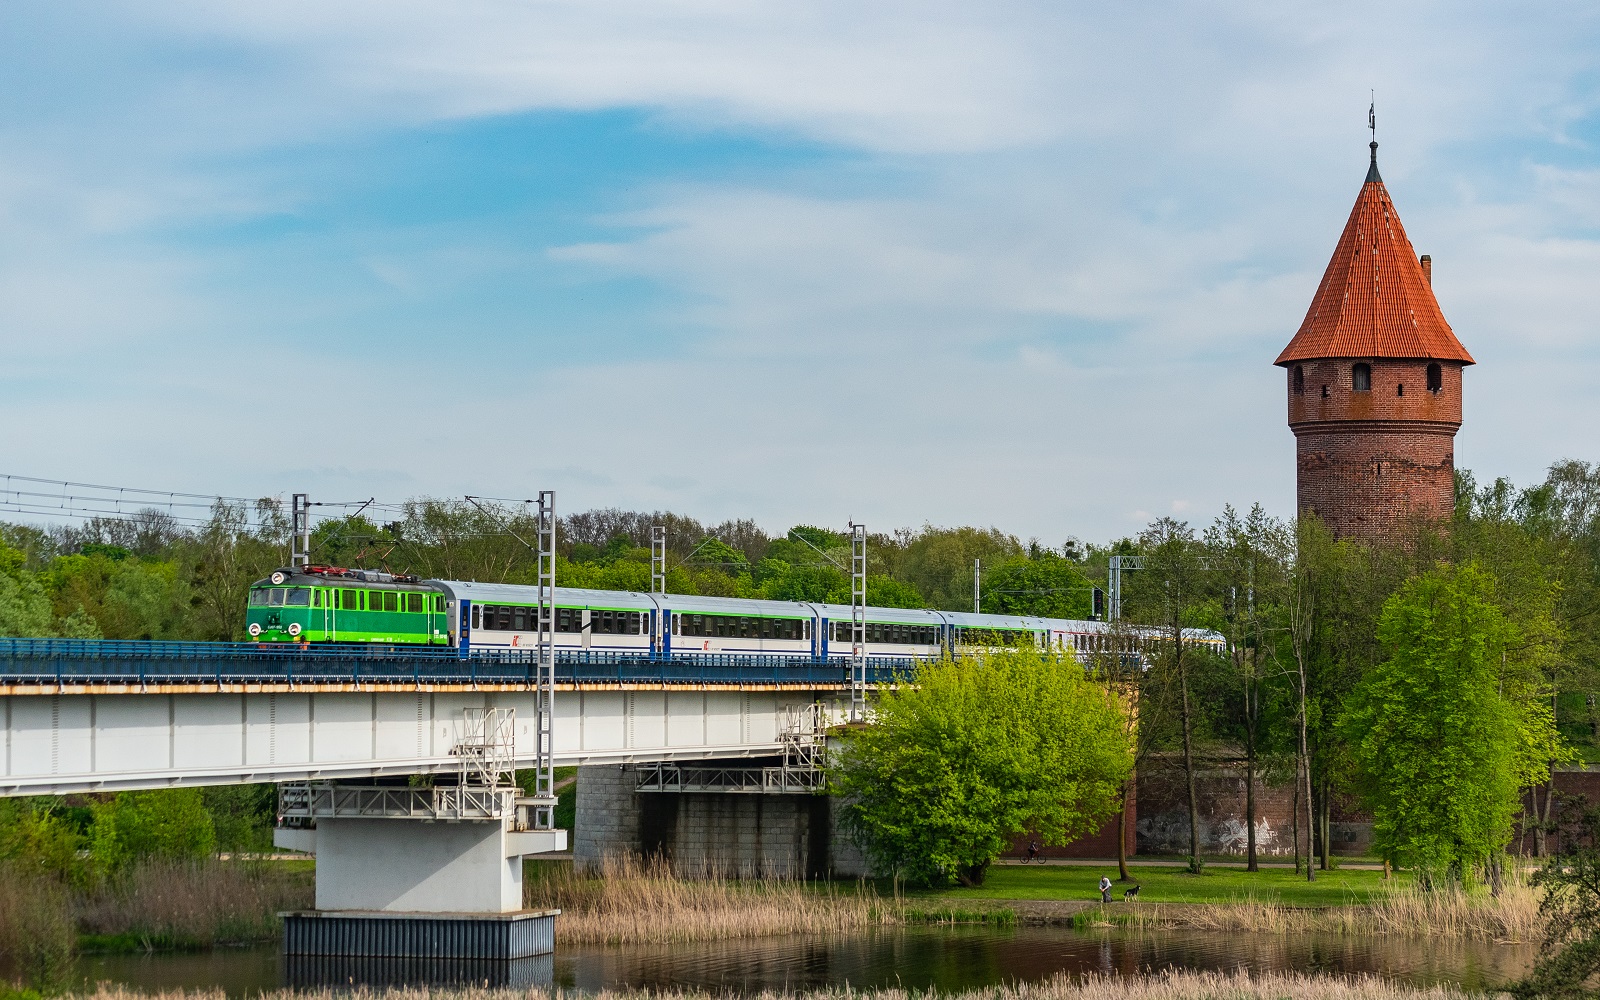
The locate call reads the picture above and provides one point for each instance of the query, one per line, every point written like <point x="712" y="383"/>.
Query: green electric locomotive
<point x="331" y="604"/>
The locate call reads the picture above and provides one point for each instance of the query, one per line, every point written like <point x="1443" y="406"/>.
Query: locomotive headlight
<point x="294" y="628"/>
<point x="278" y="576"/>
<point x="255" y="628"/>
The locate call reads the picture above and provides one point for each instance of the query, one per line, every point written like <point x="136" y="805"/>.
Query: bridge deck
<point x="90" y="666"/>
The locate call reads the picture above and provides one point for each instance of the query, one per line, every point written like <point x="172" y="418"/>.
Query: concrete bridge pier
<point x="408" y="850"/>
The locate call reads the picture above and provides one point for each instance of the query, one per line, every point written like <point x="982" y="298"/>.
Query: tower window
<point x="1324" y="392"/>
<point x="1361" y="377"/>
<point x="1435" y="377"/>
<point x="1299" y="380"/>
<point x="1400" y="389"/>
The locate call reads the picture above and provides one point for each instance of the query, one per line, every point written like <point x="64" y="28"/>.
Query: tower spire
<point x="1373" y="177"/>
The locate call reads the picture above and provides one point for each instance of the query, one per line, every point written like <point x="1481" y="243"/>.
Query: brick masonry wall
<point x="1163" y="825"/>
<point x="1571" y="783"/>
<point x="1368" y="460"/>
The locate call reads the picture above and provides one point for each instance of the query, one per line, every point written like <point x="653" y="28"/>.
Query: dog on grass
<point x="1130" y="894"/>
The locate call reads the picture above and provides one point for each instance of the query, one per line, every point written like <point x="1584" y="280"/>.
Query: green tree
<point x="1171" y="596"/>
<point x="938" y="562"/>
<point x="35" y="837"/>
<point x="1250" y="557"/>
<point x="1441" y="742"/>
<point x="1046" y="584"/>
<point x="24" y="604"/>
<point x="978" y="751"/>
<point x="1569" y="956"/>
<point x="170" y="823"/>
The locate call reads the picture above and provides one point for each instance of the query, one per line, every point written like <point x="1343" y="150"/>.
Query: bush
<point x="171" y="824"/>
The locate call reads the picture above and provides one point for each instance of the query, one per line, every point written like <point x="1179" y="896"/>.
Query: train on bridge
<point x="317" y="604"/>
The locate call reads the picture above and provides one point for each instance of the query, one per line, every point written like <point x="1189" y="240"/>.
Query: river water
<point x="944" y="959"/>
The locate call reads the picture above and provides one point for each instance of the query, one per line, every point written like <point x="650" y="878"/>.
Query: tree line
<point x="1433" y="678"/>
<point x="146" y="576"/>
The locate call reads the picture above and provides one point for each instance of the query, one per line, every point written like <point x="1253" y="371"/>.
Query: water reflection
<point x="961" y="958"/>
<point x="921" y="958"/>
<point x="314" y="971"/>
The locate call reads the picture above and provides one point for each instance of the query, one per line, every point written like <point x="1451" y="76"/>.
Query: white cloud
<point x="1051" y="306"/>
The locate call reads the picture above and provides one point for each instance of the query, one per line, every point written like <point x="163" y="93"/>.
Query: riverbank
<point x="1273" y="901"/>
<point x="1166" y="986"/>
<point x="627" y="902"/>
<point x="155" y="905"/>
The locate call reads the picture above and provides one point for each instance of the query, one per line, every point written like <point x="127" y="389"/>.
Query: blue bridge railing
<point x="104" y="661"/>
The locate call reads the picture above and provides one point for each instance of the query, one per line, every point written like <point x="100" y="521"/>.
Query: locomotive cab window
<point x="1361" y="377"/>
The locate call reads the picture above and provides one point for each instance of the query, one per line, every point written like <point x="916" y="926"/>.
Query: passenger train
<point x="332" y="604"/>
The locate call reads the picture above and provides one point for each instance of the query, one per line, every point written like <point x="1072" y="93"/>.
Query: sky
<point x="1012" y="264"/>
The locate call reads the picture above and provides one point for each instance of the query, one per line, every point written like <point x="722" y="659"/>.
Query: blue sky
<point x="1036" y="259"/>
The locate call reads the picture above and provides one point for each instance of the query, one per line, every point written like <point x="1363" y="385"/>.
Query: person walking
<point x="1105" y="889"/>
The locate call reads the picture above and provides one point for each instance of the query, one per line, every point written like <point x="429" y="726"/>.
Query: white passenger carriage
<point x="494" y="615"/>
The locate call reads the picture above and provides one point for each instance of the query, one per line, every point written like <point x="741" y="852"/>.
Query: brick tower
<point x="1375" y="380"/>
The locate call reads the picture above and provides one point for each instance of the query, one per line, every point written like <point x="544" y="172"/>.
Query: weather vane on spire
<point x="1373" y="176"/>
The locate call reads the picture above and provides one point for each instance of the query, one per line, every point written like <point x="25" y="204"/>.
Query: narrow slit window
<point x="1299" y="380"/>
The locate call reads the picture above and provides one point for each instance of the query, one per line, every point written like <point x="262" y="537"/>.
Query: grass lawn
<point x="1173" y="885"/>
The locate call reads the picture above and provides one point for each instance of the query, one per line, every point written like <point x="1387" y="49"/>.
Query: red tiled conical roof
<point x="1374" y="301"/>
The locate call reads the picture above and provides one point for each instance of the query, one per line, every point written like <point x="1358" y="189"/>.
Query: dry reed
<point x="195" y="903"/>
<point x="36" y="931"/>
<point x="630" y="902"/>
<point x="1405" y="911"/>
<point x="1165" y="986"/>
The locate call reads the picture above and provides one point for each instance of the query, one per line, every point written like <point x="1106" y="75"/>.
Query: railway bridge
<point x="343" y="730"/>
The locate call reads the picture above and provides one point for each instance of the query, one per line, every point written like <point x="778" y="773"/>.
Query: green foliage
<point x="980" y="750"/>
<point x="24" y="605"/>
<point x="36" y="836"/>
<point x="242" y="816"/>
<point x="1569" y="956"/>
<point x="938" y="562"/>
<point x="1441" y="743"/>
<point x="1047" y="585"/>
<point x="171" y="824"/>
<point x="883" y="592"/>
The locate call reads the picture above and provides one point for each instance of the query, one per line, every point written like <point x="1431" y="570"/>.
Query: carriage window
<point x="1435" y="378"/>
<point x="414" y="602"/>
<point x="476" y="614"/>
<point x="1361" y="377"/>
<point x="348" y="601"/>
<point x="519" y="619"/>
<point x="391" y="601"/>
<point x="502" y="618"/>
